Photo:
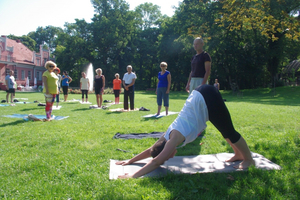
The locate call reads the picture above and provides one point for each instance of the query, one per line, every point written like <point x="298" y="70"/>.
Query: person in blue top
<point x="163" y="87"/>
<point x="65" y="81"/>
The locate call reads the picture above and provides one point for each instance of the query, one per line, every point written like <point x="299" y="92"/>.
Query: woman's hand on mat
<point x="125" y="176"/>
<point x="123" y="163"/>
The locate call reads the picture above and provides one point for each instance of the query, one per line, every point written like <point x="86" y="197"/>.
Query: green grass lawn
<point x="69" y="159"/>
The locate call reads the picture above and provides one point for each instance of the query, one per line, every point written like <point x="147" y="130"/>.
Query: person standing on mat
<point x="204" y="104"/>
<point x="201" y="67"/>
<point x="50" y="87"/>
<point x="57" y="71"/>
<point x="84" y="87"/>
<point x="99" y="84"/>
<point x="163" y="87"/>
<point x="10" y="86"/>
<point x="66" y="80"/>
<point x="128" y="83"/>
<point x="117" y="84"/>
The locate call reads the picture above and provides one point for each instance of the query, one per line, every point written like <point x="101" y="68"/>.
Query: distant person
<point x="163" y="87"/>
<point x="66" y="80"/>
<point x="99" y="84"/>
<point x="57" y="72"/>
<point x="128" y="83"/>
<point x="10" y="86"/>
<point x="84" y="86"/>
<point x="50" y="87"/>
<point x="217" y="84"/>
<point x="117" y="84"/>
<point x="204" y="104"/>
<point x="201" y="67"/>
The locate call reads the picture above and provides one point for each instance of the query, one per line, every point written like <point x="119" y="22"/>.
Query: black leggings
<point x="218" y="113"/>
<point x="84" y="92"/>
<point x="117" y="93"/>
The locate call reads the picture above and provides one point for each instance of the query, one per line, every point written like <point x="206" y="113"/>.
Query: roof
<point x="21" y="53"/>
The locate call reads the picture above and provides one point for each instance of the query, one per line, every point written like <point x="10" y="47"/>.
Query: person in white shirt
<point x="204" y="104"/>
<point x="84" y="86"/>
<point x="128" y="83"/>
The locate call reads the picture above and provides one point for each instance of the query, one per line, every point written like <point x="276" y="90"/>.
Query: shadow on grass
<point x="280" y="96"/>
<point x="20" y="121"/>
<point x="81" y="109"/>
<point x="30" y="109"/>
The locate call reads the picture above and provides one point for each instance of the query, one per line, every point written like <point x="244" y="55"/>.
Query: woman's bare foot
<point x="234" y="158"/>
<point x="245" y="164"/>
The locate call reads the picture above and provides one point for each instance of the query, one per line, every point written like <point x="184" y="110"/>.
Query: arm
<point x="170" y="148"/>
<point x="141" y="156"/>
<point x="80" y="85"/>
<point x="169" y="83"/>
<point x="132" y="83"/>
<point x="6" y="82"/>
<point x="88" y="84"/>
<point x="103" y="80"/>
<point x="187" y="88"/>
<point x="45" y="84"/>
<point x="70" y="79"/>
<point x="126" y="88"/>
<point x="207" y="72"/>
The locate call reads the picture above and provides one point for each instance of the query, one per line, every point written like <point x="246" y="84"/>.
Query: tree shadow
<point x="20" y="121"/>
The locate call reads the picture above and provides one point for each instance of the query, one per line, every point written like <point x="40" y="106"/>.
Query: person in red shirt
<point x="117" y="84"/>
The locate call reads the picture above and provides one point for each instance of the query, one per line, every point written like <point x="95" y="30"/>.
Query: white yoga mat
<point x="56" y="108"/>
<point x="210" y="163"/>
<point x="122" y="110"/>
<point x="85" y="102"/>
<point x="73" y="100"/>
<point x="162" y="114"/>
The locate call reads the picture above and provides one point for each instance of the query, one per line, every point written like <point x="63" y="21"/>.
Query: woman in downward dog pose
<point x="204" y="104"/>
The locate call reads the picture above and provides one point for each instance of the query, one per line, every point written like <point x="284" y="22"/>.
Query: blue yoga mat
<point x="24" y="116"/>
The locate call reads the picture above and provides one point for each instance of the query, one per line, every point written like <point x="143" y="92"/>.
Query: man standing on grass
<point x="128" y="83"/>
<point x="10" y="86"/>
<point x="201" y="67"/>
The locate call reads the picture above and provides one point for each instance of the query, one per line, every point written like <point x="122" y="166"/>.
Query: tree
<point x="27" y="41"/>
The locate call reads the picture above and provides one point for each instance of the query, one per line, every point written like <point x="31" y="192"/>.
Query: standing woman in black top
<point x="99" y="84"/>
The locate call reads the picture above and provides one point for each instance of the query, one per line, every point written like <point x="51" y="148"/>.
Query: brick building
<point x="25" y="63"/>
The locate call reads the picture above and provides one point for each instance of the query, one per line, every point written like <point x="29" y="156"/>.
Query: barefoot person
<point x="204" y="103"/>
<point x="84" y="87"/>
<point x="163" y="88"/>
<point x="50" y="87"/>
<point x="65" y="83"/>
<point x="99" y="84"/>
<point x="117" y="84"/>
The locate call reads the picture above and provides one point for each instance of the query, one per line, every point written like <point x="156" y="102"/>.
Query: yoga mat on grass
<point x="138" y="135"/>
<point x="122" y="110"/>
<point x="85" y="102"/>
<point x="2" y="105"/>
<point x="56" y="107"/>
<point x="211" y="163"/>
<point x="163" y="114"/>
<point x="25" y="116"/>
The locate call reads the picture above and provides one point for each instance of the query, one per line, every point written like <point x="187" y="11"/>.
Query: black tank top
<point x="99" y="82"/>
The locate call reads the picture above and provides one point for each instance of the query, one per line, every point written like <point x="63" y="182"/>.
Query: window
<point x="7" y="71"/>
<point x="8" y="58"/>
<point x="29" y="75"/>
<point x="45" y="60"/>
<point x="16" y="74"/>
<point x="37" y="76"/>
<point x="38" y="62"/>
<point x="22" y="75"/>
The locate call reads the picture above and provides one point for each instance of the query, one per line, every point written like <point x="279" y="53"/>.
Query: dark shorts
<point x="65" y="89"/>
<point x="11" y="90"/>
<point x="98" y="91"/>
<point x="117" y="93"/>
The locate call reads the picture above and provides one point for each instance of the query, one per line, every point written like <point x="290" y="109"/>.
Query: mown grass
<point x="69" y="159"/>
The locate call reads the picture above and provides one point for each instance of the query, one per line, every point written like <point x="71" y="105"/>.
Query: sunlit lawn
<point x="69" y="159"/>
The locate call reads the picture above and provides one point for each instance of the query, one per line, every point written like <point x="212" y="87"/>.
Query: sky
<point x="19" y="17"/>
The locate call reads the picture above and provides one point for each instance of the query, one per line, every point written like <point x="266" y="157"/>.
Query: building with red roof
<point x="25" y="63"/>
